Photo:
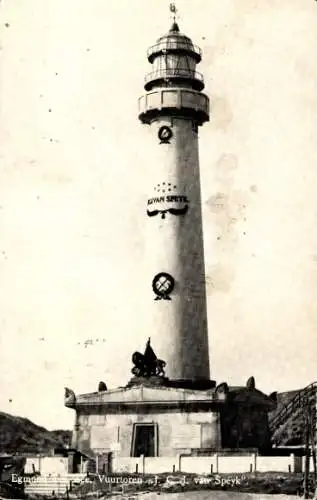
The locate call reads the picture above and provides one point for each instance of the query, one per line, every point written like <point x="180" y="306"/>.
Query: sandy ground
<point x="207" y="495"/>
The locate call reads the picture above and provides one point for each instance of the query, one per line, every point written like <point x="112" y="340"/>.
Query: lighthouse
<point x="174" y="107"/>
<point x="170" y="409"/>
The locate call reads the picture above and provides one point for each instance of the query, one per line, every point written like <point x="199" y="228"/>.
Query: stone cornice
<point x="141" y="396"/>
<point x="150" y="398"/>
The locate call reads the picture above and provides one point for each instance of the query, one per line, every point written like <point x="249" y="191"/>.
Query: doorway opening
<point x="144" y="440"/>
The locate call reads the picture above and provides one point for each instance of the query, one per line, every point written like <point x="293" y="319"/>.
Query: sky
<point x="75" y="166"/>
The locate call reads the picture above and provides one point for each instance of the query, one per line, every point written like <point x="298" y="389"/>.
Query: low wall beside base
<point x="213" y="464"/>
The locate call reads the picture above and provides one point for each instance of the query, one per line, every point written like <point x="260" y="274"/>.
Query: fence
<point x="215" y="463"/>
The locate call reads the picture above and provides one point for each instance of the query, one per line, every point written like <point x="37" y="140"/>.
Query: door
<point x="144" y="440"/>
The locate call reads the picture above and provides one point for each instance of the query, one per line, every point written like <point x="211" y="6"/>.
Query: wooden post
<point x="307" y="452"/>
<point x="312" y="441"/>
<point x="179" y="462"/>
<point x="314" y="438"/>
<point x="292" y="467"/>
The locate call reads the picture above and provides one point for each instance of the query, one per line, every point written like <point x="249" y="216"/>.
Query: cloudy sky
<point x="75" y="164"/>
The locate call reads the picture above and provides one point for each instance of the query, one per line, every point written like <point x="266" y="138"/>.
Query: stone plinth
<point x="180" y="419"/>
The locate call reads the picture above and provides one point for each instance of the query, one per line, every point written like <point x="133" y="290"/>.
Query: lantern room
<point x="174" y="58"/>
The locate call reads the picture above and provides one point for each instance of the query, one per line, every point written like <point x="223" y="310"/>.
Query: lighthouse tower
<point x="173" y="409"/>
<point x="174" y="107"/>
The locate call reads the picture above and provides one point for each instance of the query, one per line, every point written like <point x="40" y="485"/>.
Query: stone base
<point x="148" y="381"/>
<point x="197" y="385"/>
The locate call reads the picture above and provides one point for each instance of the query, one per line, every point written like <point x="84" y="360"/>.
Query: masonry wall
<point x="177" y="432"/>
<point x="244" y="427"/>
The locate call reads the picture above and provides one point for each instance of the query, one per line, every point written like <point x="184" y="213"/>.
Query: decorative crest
<point x="147" y="364"/>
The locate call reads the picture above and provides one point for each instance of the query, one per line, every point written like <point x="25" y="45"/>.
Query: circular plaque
<point x="163" y="285"/>
<point x="165" y="134"/>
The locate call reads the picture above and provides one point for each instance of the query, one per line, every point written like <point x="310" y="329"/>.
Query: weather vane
<point x="173" y="9"/>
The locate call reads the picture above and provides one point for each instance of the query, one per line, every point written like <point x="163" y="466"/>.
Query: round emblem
<point x="163" y="285"/>
<point x="165" y="134"/>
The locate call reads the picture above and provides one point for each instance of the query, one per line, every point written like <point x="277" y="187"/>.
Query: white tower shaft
<point x="174" y="107"/>
<point x="177" y="327"/>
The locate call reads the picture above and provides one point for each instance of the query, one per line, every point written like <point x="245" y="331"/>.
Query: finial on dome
<point x="173" y="10"/>
<point x="174" y="27"/>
